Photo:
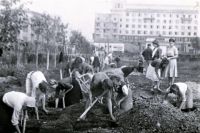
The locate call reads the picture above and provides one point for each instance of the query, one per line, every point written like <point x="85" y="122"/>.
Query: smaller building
<point x="111" y="47"/>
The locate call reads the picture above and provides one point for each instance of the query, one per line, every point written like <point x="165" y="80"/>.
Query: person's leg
<point x="172" y="80"/>
<point x="5" y="118"/>
<point x="158" y="85"/>
<point x="169" y="81"/>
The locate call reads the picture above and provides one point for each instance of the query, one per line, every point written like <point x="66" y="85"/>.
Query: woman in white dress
<point x="152" y="73"/>
<point x="172" y="55"/>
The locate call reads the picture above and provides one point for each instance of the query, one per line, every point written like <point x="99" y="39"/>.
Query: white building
<point x="130" y="23"/>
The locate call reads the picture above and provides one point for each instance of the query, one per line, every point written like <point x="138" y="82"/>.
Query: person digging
<point x="184" y="96"/>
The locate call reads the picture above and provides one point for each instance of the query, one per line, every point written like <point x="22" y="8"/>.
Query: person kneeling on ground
<point x="124" y="99"/>
<point x="185" y="97"/>
<point x="12" y="104"/>
<point x="62" y="87"/>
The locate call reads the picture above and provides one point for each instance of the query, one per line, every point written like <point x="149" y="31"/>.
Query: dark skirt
<point x="75" y="95"/>
<point x="5" y="118"/>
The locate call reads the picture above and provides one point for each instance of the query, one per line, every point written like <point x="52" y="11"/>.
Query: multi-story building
<point x="134" y="24"/>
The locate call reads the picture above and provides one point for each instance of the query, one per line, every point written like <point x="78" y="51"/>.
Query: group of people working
<point x="70" y="90"/>
<point x="159" y="66"/>
<point x="109" y="83"/>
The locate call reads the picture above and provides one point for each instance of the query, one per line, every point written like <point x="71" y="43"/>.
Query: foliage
<point x="81" y="43"/>
<point x="12" y="19"/>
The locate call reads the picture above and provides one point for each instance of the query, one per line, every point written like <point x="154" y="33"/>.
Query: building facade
<point x="135" y="24"/>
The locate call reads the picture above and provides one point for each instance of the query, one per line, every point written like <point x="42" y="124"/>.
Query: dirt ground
<point x="148" y="115"/>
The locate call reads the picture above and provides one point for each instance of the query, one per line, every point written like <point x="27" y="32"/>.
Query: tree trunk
<point x="61" y="74"/>
<point x="18" y="54"/>
<point x="25" y="56"/>
<point x="47" y="59"/>
<point x="55" y="57"/>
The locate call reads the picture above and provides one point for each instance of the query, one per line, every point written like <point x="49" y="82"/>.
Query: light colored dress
<point x="151" y="73"/>
<point x="171" y="69"/>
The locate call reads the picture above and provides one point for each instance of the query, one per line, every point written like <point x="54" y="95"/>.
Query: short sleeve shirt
<point x="172" y="51"/>
<point x="182" y="89"/>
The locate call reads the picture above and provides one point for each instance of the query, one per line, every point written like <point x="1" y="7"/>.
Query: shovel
<point x="93" y="103"/>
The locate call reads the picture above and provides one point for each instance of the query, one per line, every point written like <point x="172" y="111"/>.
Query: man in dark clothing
<point x="118" y="61"/>
<point x="147" y="54"/>
<point x="96" y="64"/>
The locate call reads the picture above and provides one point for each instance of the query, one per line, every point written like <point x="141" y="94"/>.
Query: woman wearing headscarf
<point x="172" y="55"/>
<point x="152" y="73"/>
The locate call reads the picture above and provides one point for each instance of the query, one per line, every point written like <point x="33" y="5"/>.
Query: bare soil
<point x="148" y="115"/>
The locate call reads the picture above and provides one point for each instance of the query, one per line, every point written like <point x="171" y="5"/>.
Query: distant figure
<point x="77" y="62"/>
<point x="140" y="64"/>
<point x="61" y="57"/>
<point x="184" y="96"/>
<point x="107" y="61"/>
<point x="96" y="64"/>
<point x="147" y="55"/>
<point x="11" y="108"/>
<point x="91" y="60"/>
<point x="118" y="61"/>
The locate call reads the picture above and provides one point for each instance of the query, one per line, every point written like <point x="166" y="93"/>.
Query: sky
<point x="80" y="14"/>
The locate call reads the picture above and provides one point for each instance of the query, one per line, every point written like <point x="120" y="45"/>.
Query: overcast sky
<point x="80" y="13"/>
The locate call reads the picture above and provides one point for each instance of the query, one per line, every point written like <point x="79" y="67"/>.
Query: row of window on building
<point x="145" y="32"/>
<point x="145" y="15"/>
<point x="170" y="15"/>
<point x="159" y="21"/>
<point x="139" y="38"/>
<point x="161" y="27"/>
<point x="158" y="27"/>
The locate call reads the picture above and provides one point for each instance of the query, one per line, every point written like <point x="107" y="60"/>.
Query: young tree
<point x="12" y="20"/>
<point x="81" y="43"/>
<point x="37" y="26"/>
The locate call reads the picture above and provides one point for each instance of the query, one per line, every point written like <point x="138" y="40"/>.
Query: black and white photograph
<point x="99" y="66"/>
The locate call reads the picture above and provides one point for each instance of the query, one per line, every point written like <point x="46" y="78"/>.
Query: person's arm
<point x="121" y="100"/>
<point x="156" y="70"/>
<point x="43" y="104"/>
<point x="17" y="128"/>
<point x="166" y="95"/>
<point x="109" y="104"/>
<point x="56" y="102"/>
<point x="160" y="52"/>
<point x="125" y="95"/>
<point x="15" y="119"/>
<point x="183" y="99"/>
<point x="175" y="55"/>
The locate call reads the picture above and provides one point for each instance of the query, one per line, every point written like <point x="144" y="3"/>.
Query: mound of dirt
<point x="195" y="88"/>
<point x="148" y="117"/>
